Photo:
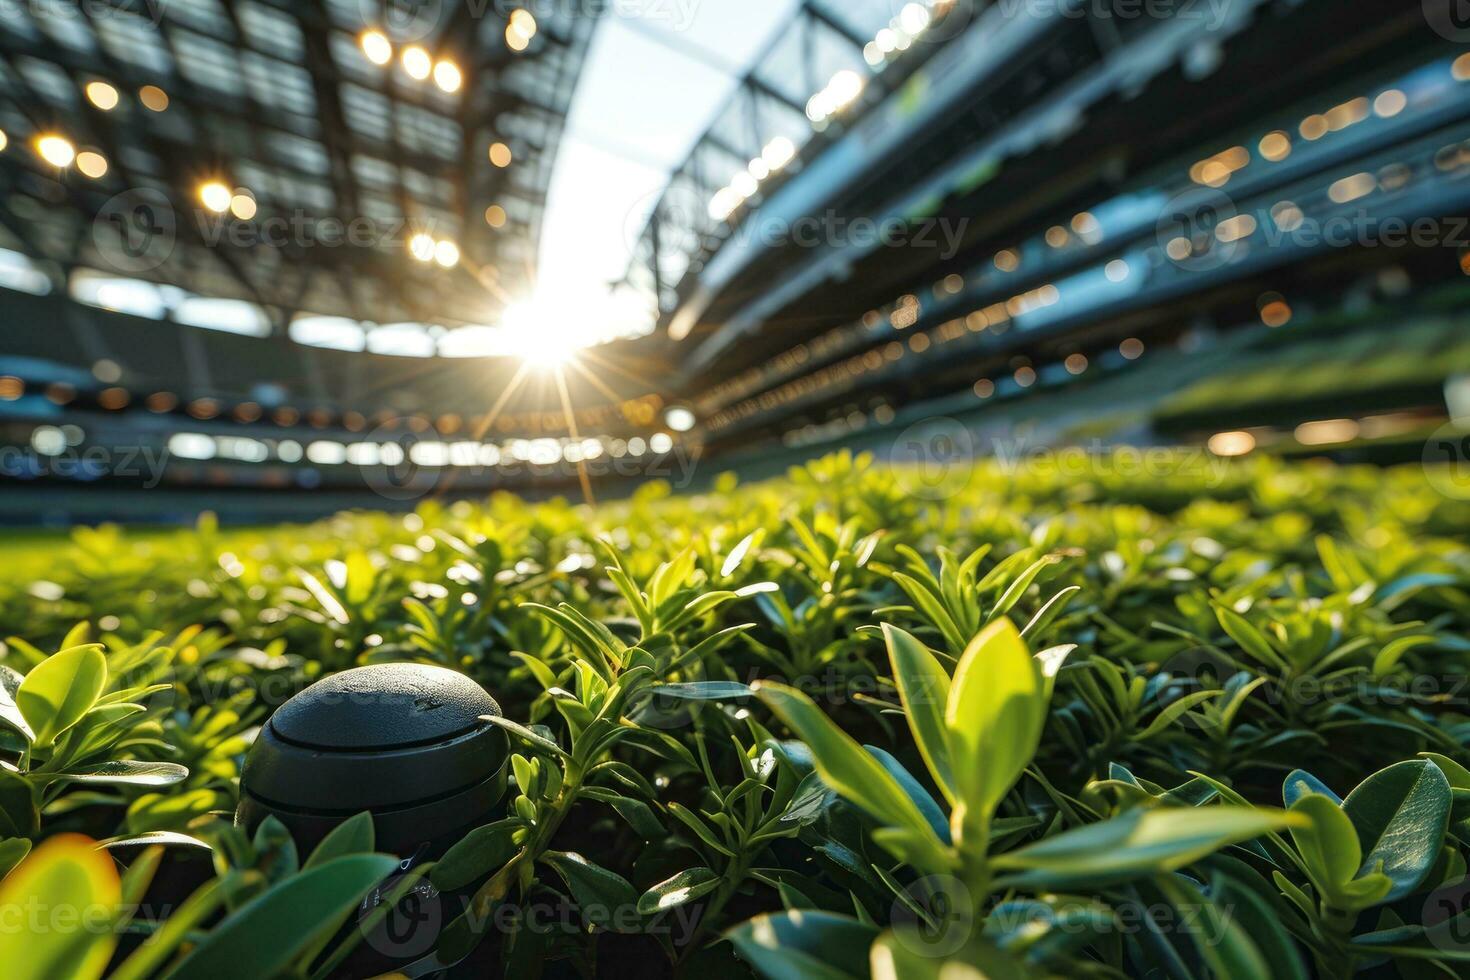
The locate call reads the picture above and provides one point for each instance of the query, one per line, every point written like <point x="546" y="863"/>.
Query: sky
<point x="648" y="90"/>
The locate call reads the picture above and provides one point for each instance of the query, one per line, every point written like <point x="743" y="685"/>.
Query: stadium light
<point x="55" y="150"/>
<point x="216" y="196"/>
<point x="446" y="253"/>
<point x="417" y="63"/>
<point x="376" y="47"/>
<point x="102" y="95"/>
<point x="447" y="76"/>
<point x="421" y="247"/>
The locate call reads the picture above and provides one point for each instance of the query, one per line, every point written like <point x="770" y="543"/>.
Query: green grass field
<point x="1095" y="716"/>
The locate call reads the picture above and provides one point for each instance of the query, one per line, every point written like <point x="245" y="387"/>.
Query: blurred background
<point x="272" y="259"/>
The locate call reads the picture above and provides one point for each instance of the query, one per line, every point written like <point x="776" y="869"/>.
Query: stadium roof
<point x="297" y="156"/>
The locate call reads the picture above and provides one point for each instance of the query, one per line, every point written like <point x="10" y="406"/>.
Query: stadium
<point x="599" y="488"/>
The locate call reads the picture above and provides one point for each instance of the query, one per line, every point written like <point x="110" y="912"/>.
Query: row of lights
<point x="61" y="153"/>
<point x="425" y="248"/>
<point x="1319" y="432"/>
<point x="1215" y="171"/>
<point x="638" y="412"/>
<point x="841" y="91"/>
<point x="104" y="96"/>
<point x="219" y="198"/>
<point x="416" y="61"/>
<point x="1276" y="145"/>
<point x="773" y="157"/>
<point x="200" y="447"/>
<point x="913" y="20"/>
<point x="906" y="310"/>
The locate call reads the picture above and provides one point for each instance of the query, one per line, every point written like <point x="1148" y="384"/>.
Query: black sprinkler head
<point x="402" y="741"/>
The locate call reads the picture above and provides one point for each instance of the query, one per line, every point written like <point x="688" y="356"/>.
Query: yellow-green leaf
<point x="60" y="690"/>
<point x="66" y="876"/>
<point x="852" y="771"/>
<point x="923" y="686"/>
<point x="995" y="713"/>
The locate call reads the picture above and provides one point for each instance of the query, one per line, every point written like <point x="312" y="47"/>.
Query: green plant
<point x="1072" y="723"/>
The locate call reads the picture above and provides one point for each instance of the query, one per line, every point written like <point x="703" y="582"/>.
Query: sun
<point x="545" y="333"/>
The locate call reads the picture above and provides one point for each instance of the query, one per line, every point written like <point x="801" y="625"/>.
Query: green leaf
<point x="923" y="687"/>
<point x="125" y="772"/>
<point x="1139" y="842"/>
<point x="1299" y="783"/>
<point x="195" y="910"/>
<point x="265" y="935"/>
<point x="1249" y="638"/>
<point x="1332" y="855"/>
<point x="10" y="714"/>
<point x="478" y="853"/>
<point x="1255" y="914"/>
<point x="19" y="815"/>
<point x="804" y="945"/>
<point x="1401" y="814"/>
<point x="60" y="690"/>
<point x="1173" y="712"/>
<point x="66" y="873"/>
<point x="1388" y="658"/>
<point x="637" y="813"/>
<point x="703" y="691"/>
<point x="603" y="898"/>
<point x="994" y="716"/>
<point x="12" y="852"/>
<point x="853" y="772"/>
<point x="355" y="835"/>
<point x="682" y="888"/>
<point x="521" y="731"/>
